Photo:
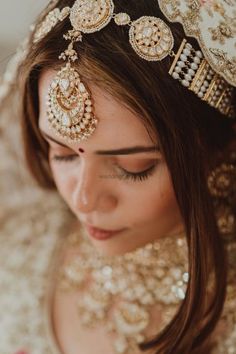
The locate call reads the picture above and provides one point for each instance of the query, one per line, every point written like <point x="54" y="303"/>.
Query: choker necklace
<point x="120" y="292"/>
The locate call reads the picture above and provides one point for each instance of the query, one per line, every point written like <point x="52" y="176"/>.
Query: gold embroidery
<point x="198" y="15"/>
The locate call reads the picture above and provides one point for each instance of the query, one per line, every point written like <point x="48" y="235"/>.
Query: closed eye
<point x="64" y="158"/>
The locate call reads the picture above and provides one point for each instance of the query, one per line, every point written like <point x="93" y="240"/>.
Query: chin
<point x="109" y="247"/>
<point x="115" y="246"/>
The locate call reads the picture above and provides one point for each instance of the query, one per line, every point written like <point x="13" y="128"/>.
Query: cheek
<point x="64" y="181"/>
<point x="157" y="201"/>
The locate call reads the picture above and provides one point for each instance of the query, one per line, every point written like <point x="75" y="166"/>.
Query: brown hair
<point x="190" y="133"/>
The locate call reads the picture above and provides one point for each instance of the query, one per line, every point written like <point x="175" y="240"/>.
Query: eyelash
<point x="138" y="176"/>
<point x="66" y="158"/>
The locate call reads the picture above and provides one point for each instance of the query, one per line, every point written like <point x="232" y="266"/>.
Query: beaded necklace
<point x="120" y="292"/>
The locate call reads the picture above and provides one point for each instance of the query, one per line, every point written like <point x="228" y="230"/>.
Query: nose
<point x="91" y="192"/>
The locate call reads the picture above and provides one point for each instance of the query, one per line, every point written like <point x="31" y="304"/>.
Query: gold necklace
<point x="121" y="291"/>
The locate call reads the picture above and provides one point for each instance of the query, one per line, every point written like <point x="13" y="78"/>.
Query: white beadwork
<point x="122" y="19"/>
<point x="185" y="83"/>
<point x="187" y="77"/>
<point x="175" y="75"/>
<point x="191" y="72"/>
<point x="50" y="22"/>
<point x="199" y="54"/>
<point x="196" y="60"/>
<point x="187" y="51"/>
<point x="66" y="121"/>
<point x="178" y="69"/>
<point x="181" y="64"/>
<point x="194" y="66"/>
<point x="183" y="57"/>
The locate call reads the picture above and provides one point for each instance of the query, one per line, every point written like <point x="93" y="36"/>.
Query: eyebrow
<point x="123" y="151"/>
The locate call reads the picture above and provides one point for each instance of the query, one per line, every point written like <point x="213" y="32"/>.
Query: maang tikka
<point x="70" y="106"/>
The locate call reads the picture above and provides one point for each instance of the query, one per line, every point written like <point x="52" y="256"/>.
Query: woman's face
<point x="101" y="189"/>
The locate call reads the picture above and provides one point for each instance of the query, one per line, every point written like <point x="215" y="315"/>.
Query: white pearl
<point x="185" y="83"/>
<point x="175" y="75"/>
<point x="200" y="94"/>
<point x="205" y="83"/>
<point x="178" y="69"/>
<point x="180" y="64"/>
<point x="191" y="72"/>
<point x="203" y="89"/>
<point x="82" y="88"/>
<point x="194" y="66"/>
<point x="199" y="54"/>
<point x="188" y="45"/>
<point x="183" y="57"/>
<point x="187" y="51"/>
<point x="196" y="60"/>
<point x="188" y="77"/>
<point x="209" y="77"/>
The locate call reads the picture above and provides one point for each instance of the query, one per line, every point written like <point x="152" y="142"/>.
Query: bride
<point x="126" y="244"/>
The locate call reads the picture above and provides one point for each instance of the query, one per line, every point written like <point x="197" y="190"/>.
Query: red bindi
<point x="81" y="150"/>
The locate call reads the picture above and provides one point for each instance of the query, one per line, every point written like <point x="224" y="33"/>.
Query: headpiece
<point x="210" y="72"/>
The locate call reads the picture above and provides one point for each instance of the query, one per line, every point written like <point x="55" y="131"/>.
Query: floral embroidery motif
<point x="224" y="62"/>
<point x="198" y="16"/>
<point x="221" y="32"/>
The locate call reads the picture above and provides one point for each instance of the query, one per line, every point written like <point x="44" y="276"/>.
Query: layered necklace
<point x="120" y="292"/>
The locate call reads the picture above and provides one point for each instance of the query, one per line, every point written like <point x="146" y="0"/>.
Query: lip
<point x="101" y="234"/>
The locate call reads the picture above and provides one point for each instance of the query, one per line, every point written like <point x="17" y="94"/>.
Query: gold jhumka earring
<point x="70" y="106"/>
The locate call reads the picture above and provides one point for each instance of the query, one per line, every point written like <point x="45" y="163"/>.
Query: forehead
<point x="116" y="123"/>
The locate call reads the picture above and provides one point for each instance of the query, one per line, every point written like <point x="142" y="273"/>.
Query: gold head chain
<point x="70" y="106"/>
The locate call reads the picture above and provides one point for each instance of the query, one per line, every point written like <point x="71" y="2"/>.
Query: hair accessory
<point x="70" y="106"/>
<point x="50" y="22"/>
<point x="213" y="24"/>
<point x="209" y="73"/>
<point x="152" y="40"/>
<point x="194" y="72"/>
<point x="70" y="110"/>
<point x="91" y="16"/>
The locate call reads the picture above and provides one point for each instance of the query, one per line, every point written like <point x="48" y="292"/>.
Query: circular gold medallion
<point x="89" y="16"/>
<point x="151" y="38"/>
